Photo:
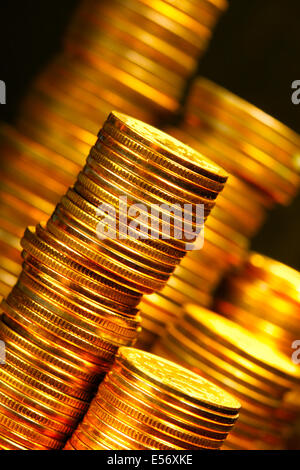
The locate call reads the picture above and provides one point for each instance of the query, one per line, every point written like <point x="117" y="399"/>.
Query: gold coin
<point x="245" y="382"/>
<point x="141" y="280"/>
<point x="281" y="277"/>
<point x="135" y="37"/>
<point x="65" y="341"/>
<point x="267" y="384"/>
<point x="170" y="377"/>
<point x="263" y="124"/>
<point x="57" y="401"/>
<point x="136" y="245"/>
<point x="121" y="143"/>
<point x="156" y="250"/>
<point x="44" y="371"/>
<point x="28" y="408"/>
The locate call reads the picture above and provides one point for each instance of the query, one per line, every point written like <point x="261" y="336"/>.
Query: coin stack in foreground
<point x="75" y="300"/>
<point x="233" y="358"/>
<point x="146" y="402"/>
<point x="262" y="156"/>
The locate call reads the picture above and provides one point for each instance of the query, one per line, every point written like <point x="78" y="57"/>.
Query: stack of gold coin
<point x="146" y="402"/>
<point x="32" y="180"/>
<point x="254" y="146"/>
<point x="75" y="300"/>
<point x="131" y="56"/>
<point x="264" y="297"/>
<point x="258" y="375"/>
<point x="145" y="50"/>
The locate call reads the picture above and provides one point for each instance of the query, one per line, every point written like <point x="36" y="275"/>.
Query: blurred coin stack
<point x="32" y="180"/>
<point x="262" y="157"/>
<point x="75" y="300"/>
<point x="133" y="56"/>
<point x="258" y="375"/>
<point x="146" y="402"/>
<point x="264" y="297"/>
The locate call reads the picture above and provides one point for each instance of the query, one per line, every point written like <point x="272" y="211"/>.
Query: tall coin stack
<point x="133" y="56"/>
<point x="75" y="300"/>
<point x="146" y="402"/>
<point x="32" y="180"/>
<point x="262" y="157"/>
<point x="258" y="375"/>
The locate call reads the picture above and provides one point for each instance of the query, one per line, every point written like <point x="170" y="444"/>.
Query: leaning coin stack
<point x="75" y="300"/>
<point x="134" y="57"/>
<point x="258" y="375"/>
<point x="131" y="56"/>
<point x="146" y="402"/>
<point x="251" y="144"/>
<point x="145" y="50"/>
<point x="262" y="156"/>
<point x="32" y="180"/>
<point x="264" y="297"/>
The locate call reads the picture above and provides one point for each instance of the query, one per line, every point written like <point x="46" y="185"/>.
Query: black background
<point x="255" y="52"/>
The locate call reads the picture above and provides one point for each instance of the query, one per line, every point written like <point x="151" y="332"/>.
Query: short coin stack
<point x="256" y="374"/>
<point x="75" y="300"/>
<point x="146" y="402"/>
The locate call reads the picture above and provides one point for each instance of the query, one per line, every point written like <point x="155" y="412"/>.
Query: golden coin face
<point x="176" y="378"/>
<point x="164" y="143"/>
<point x="245" y="342"/>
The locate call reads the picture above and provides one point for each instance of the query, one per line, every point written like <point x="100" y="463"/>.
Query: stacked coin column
<point x="84" y="272"/>
<point x="261" y="155"/>
<point x="134" y="57"/>
<point x="146" y="402"/>
<point x="259" y="376"/>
